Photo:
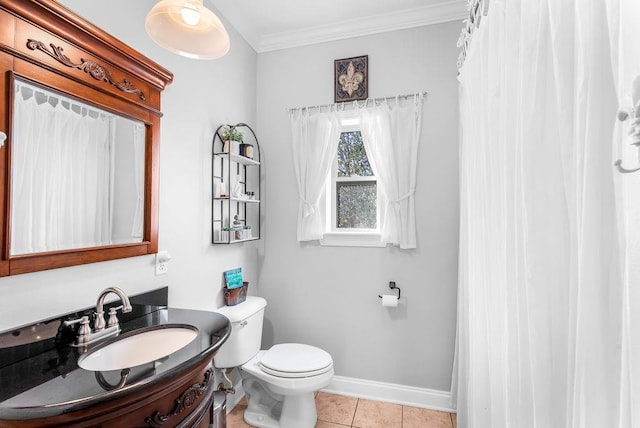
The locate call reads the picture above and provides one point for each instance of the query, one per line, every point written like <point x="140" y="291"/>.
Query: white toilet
<point x="279" y="382"/>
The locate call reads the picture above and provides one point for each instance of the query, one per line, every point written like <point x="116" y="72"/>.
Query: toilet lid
<point x="295" y="360"/>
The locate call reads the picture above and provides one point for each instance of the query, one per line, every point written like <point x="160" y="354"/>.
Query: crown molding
<point x="451" y="10"/>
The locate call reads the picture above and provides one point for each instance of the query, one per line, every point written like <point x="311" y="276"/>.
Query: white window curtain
<point x="548" y="302"/>
<point x="391" y="136"/>
<point x="61" y="173"/>
<point x="315" y="142"/>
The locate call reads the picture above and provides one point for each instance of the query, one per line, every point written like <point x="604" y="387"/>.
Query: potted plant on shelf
<point x="232" y="138"/>
<point x="224" y="234"/>
<point x="246" y="232"/>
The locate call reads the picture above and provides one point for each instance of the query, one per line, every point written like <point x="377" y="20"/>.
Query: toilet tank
<point x="246" y="332"/>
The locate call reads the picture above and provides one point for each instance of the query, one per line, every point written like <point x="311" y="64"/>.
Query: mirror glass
<point x="77" y="174"/>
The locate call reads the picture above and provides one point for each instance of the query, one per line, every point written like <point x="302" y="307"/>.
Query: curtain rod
<point x="341" y="106"/>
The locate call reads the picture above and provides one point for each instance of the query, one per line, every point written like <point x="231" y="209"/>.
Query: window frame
<point x="349" y="237"/>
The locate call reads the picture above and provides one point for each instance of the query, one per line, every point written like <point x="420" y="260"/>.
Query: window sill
<point x="352" y="239"/>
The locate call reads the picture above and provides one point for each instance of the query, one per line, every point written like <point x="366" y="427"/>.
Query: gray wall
<point x="328" y="296"/>
<point x="203" y="95"/>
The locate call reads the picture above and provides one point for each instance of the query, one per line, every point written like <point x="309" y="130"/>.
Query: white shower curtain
<point x="545" y="334"/>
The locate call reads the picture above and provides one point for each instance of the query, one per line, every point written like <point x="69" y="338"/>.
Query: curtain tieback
<point x="403" y="197"/>
<point x="396" y="202"/>
<point x="309" y="208"/>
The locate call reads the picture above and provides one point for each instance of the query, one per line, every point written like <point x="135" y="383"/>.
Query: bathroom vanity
<point x="42" y="385"/>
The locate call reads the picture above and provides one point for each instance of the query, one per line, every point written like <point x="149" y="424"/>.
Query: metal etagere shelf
<point x="235" y="184"/>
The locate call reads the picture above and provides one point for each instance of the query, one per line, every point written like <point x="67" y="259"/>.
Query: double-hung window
<point x="352" y="194"/>
<point x="368" y="197"/>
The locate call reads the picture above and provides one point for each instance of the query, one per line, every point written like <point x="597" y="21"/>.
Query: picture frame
<point x="351" y="79"/>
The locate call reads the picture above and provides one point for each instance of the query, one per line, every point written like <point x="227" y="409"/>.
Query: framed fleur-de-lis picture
<point x="351" y="79"/>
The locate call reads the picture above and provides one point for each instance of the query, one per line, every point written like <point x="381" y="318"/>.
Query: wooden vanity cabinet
<point x="184" y="400"/>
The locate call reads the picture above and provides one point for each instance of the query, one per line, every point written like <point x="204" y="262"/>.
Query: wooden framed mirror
<point x="77" y="105"/>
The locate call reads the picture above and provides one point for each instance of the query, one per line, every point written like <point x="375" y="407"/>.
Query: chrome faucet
<point x="85" y="335"/>
<point x="113" y="319"/>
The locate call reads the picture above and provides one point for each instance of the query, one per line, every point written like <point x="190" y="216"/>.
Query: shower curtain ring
<point x="624" y="170"/>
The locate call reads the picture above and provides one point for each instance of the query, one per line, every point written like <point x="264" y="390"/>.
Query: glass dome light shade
<point x="187" y="28"/>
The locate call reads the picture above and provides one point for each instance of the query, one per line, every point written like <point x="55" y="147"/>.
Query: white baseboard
<point x="391" y="393"/>
<point x="372" y="390"/>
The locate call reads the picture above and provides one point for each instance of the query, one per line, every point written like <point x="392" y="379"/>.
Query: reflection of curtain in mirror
<point x="61" y="165"/>
<point x="138" y="154"/>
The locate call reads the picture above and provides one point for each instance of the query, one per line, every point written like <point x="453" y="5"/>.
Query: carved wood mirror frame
<point x="46" y="43"/>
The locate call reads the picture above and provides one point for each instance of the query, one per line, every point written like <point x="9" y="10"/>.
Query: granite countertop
<point x="40" y="377"/>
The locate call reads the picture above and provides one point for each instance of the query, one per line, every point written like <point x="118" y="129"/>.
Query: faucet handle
<point x="113" y="318"/>
<point x="84" y="329"/>
<point x="99" y="323"/>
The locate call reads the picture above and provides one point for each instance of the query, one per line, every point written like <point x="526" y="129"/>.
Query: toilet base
<point x="292" y="414"/>
<point x="296" y="411"/>
<point x="267" y="408"/>
<point x="299" y="411"/>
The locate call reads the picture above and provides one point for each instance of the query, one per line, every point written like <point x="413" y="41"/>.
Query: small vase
<point x="235" y="147"/>
<point x="231" y="146"/>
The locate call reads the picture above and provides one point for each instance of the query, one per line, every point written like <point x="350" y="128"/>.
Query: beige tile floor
<point x="338" y="411"/>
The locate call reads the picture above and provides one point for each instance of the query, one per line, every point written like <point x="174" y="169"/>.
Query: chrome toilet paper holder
<point x="393" y="286"/>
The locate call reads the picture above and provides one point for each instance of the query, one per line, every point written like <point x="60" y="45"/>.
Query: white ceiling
<point x="278" y="24"/>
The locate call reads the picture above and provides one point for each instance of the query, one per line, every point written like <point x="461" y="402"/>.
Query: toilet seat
<point x="285" y="385"/>
<point x="295" y="360"/>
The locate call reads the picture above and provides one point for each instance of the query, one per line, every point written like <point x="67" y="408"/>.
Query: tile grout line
<point x="353" y="418"/>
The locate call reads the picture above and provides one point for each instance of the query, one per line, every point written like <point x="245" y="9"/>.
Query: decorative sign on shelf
<point x="351" y="79"/>
<point x="235" y="290"/>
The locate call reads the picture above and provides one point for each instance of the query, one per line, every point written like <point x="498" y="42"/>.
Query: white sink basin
<point x="139" y="347"/>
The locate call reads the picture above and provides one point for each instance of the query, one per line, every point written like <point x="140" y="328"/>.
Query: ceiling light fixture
<point x="187" y="28"/>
